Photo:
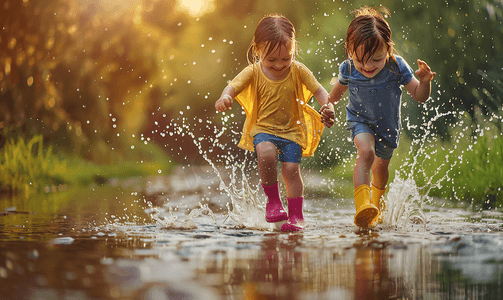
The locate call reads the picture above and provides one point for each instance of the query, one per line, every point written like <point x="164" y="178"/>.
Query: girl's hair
<point x="272" y="31"/>
<point x="370" y="31"/>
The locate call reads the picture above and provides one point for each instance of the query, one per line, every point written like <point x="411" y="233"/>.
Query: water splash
<point x="403" y="204"/>
<point x="405" y="199"/>
<point x="245" y="208"/>
<point x="170" y="221"/>
<point x="163" y="218"/>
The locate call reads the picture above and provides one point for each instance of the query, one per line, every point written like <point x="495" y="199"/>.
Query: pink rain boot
<point x="295" y="216"/>
<point x="274" y="211"/>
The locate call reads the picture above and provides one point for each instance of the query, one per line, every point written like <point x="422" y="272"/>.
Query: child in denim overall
<point x="374" y="76"/>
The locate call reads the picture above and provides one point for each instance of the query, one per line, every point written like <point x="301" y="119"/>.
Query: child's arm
<point x="327" y="112"/>
<point x="226" y="99"/>
<point x="238" y="84"/>
<point x="337" y="92"/>
<point x="420" y="89"/>
<point x="321" y="95"/>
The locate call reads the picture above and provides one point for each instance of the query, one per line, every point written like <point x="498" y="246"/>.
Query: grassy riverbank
<point x="465" y="170"/>
<point x="29" y="166"/>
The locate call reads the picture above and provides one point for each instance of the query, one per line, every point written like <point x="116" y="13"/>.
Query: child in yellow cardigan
<point x="274" y="90"/>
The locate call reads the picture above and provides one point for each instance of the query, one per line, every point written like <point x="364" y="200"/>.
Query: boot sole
<point x="376" y="220"/>
<point x="289" y="227"/>
<point x="278" y="218"/>
<point x="365" y="216"/>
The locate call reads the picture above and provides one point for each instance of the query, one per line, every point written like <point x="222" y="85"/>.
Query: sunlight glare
<point x="115" y="6"/>
<point x="196" y="8"/>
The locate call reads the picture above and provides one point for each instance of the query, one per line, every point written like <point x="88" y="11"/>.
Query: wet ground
<point x="135" y="239"/>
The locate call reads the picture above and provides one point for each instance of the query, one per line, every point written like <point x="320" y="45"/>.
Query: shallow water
<point x="136" y="240"/>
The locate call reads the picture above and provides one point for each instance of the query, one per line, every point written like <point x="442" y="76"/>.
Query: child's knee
<point x="267" y="152"/>
<point x="291" y="171"/>
<point x="366" y="153"/>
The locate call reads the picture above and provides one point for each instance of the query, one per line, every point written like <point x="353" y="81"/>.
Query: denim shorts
<point x="382" y="147"/>
<point x="288" y="151"/>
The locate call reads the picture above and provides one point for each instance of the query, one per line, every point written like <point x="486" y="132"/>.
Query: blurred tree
<point x="197" y="63"/>
<point x="94" y="79"/>
<point x="74" y="74"/>
<point x="460" y="40"/>
<point x="33" y="36"/>
<point x="109" y="94"/>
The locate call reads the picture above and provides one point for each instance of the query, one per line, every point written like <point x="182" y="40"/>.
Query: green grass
<point x="26" y="166"/>
<point x="29" y="167"/>
<point x="465" y="171"/>
<point x="146" y="160"/>
<point x="477" y="178"/>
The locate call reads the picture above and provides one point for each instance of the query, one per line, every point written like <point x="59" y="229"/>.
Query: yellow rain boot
<point x="376" y="199"/>
<point x="366" y="212"/>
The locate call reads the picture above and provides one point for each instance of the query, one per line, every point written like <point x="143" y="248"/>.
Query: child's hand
<point x="424" y="73"/>
<point x="223" y="103"/>
<point x="327" y="115"/>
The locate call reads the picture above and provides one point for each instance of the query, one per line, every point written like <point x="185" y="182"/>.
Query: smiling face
<point x="276" y="64"/>
<point x="373" y="64"/>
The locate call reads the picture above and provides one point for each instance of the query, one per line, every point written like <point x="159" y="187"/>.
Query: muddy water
<point x="172" y="238"/>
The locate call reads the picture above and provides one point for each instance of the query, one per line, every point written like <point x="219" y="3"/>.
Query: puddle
<point x="110" y="243"/>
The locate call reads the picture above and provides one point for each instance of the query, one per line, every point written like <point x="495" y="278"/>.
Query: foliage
<point x="74" y="76"/>
<point x="68" y="60"/>
<point x="145" y="160"/>
<point x="439" y="32"/>
<point x="452" y="38"/>
<point x="95" y="78"/>
<point x="26" y="166"/>
<point x="477" y="177"/>
<point x="464" y="170"/>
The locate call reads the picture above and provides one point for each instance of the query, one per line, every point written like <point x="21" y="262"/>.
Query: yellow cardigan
<point x="310" y="119"/>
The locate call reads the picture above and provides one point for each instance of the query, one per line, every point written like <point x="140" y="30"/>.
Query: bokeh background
<point x="109" y="82"/>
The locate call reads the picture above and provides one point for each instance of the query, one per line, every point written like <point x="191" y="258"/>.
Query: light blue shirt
<point x="376" y="101"/>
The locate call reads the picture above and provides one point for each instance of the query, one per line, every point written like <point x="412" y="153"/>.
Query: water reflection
<point x="88" y="247"/>
<point x="290" y="268"/>
<point x="230" y="264"/>
<point x="371" y="274"/>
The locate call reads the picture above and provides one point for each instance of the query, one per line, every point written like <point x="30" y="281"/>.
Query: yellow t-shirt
<point x="279" y="107"/>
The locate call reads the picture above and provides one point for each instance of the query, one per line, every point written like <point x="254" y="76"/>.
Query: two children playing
<point x="274" y="90"/>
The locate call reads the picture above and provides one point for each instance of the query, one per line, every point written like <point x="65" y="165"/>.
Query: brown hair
<point x="272" y="31"/>
<point x="369" y="30"/>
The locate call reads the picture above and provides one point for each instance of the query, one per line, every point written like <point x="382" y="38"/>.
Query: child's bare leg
<point x="380" y="175"/>
<point x="267" y="157"/>
<point x="366" y="212"/>
<point x="294" y="191"/>
<point x="293" y="180"/>
<point x="365" y="144"/>
<point x="380" y="172"/>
